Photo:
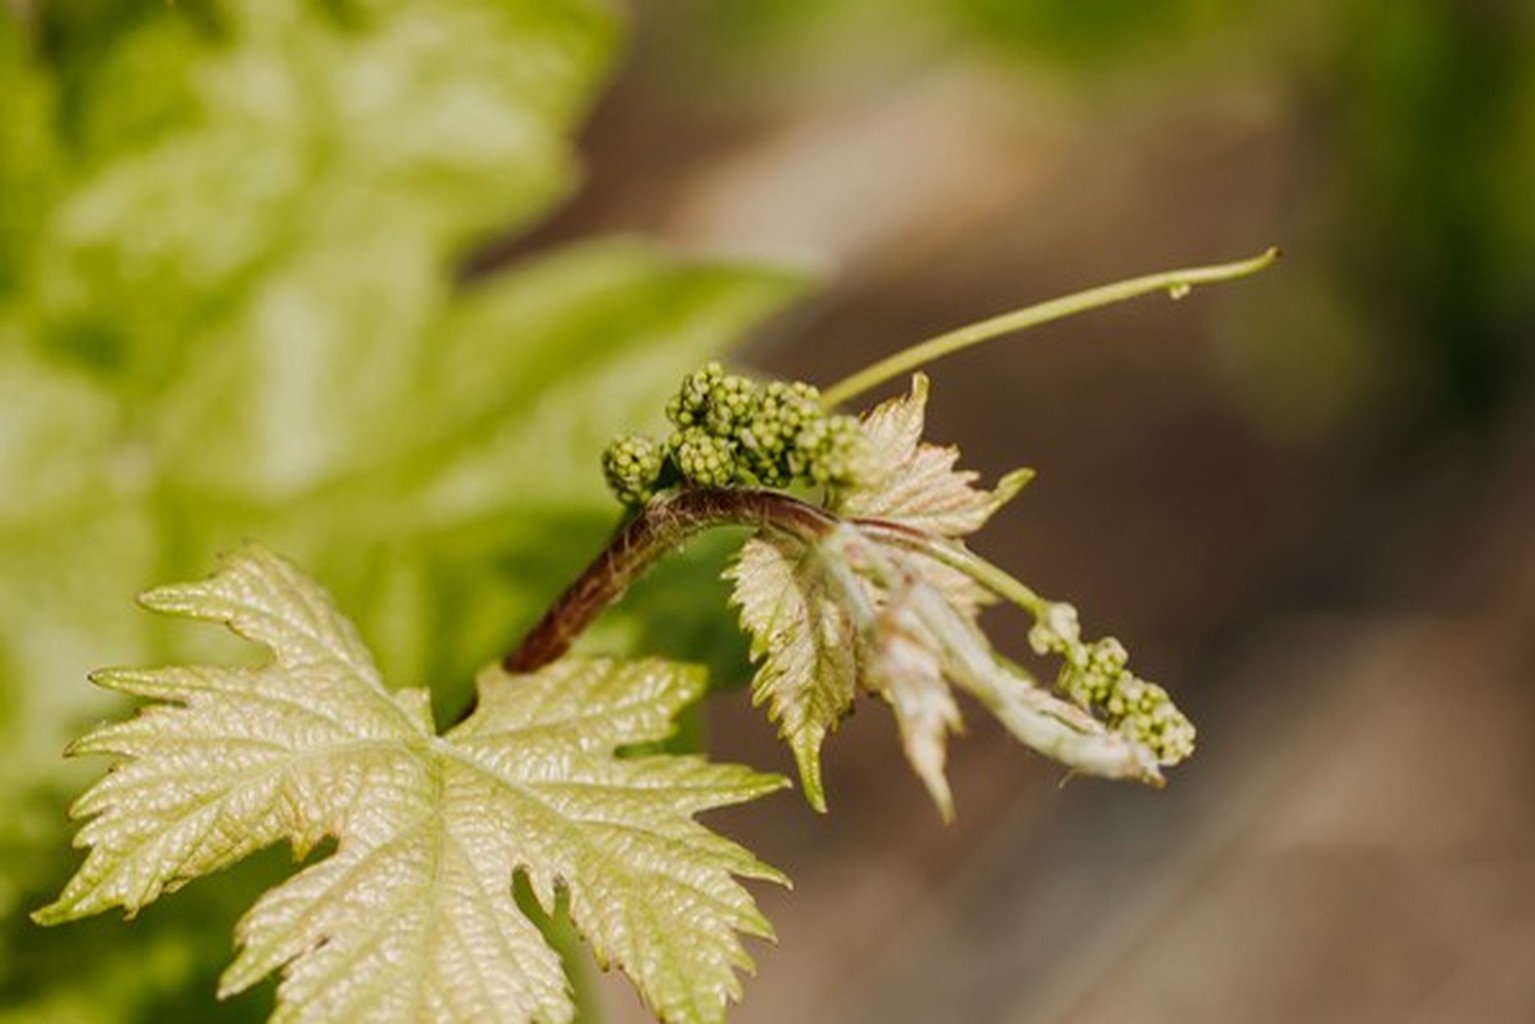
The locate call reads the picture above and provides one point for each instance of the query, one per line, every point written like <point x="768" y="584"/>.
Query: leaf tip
<point x="55" y="913"/>
<point x="943" y="798"/>
<point x="1012" y="483"/>
<point x="117" y="679"/>
<point x="238" y="976"/>
<point x="937" y="785"/>
<point x="815" y="796"/>
<point x="80" y="747"/>
<point x="165" y="599"/>
<point x="807" y="757"/>
<point x="773" y="782"/>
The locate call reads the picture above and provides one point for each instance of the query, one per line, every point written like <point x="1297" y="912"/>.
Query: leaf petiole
<point x="958" y="557"/>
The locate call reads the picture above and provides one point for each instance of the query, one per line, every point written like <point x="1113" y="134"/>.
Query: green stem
<point x="1176" y="283"/>
<point x="961" y="558"/>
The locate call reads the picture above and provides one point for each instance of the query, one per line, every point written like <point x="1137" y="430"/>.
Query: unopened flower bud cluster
<point x="730" y="430"/>
<point x="1094" y="676"/>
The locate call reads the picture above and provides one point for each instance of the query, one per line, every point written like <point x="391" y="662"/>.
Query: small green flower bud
<point x="632" y="465"/>
<point x="829" y="452"/>
<point x="847" y="453"/>
<point x="791" y="406"/>
<point x="1153" y="720"/>
<point x="703" y="459"/>
<point x="731" y="404"/>
<point x="1095" y="678"/>
<point x="761" y="464"/>
<point x="1057" y="631"/>
<point x="691" y="403"/>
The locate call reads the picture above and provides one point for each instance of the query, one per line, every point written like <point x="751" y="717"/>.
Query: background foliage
<point x="231" y="306"/>
<point x="192" y="352"/>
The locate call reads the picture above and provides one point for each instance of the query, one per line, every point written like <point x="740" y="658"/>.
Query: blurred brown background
<point x="1304" y="501"/>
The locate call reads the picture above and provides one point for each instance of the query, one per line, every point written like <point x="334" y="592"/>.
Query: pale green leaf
<point x="914" y="483"/>
<point x="412" y="916"/>
<point x="799" y="601"/>
<point x="804" y="642"/>
<point x="905" y="666"/>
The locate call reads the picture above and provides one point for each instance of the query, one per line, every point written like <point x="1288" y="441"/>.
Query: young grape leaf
<point x="879" y="605"/>
<point x="914" y="483"/>
<point x="915" y="487"/>
<point x="412" y="916"/>
<point x="906" y="668"/>
<point x="810" y="662"/>
<point x="805" y="643"/>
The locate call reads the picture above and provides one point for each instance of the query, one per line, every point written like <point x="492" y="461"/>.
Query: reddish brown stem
<point x="658" y="528"/>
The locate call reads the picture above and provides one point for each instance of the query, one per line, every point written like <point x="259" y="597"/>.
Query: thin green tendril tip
<point x="1176" y="283"/>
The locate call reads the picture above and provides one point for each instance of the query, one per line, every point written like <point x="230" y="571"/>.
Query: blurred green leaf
<point x="230" y="308"/>
<point x="761" y="36"/>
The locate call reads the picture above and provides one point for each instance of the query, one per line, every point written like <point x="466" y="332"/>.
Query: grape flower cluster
<point x="1095" y="677"/>
<point x="731" y="430"/>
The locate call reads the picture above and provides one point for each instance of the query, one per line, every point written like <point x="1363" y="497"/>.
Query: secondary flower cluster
<point x="731" y="430"/>
<point x="1094" y="676"/>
